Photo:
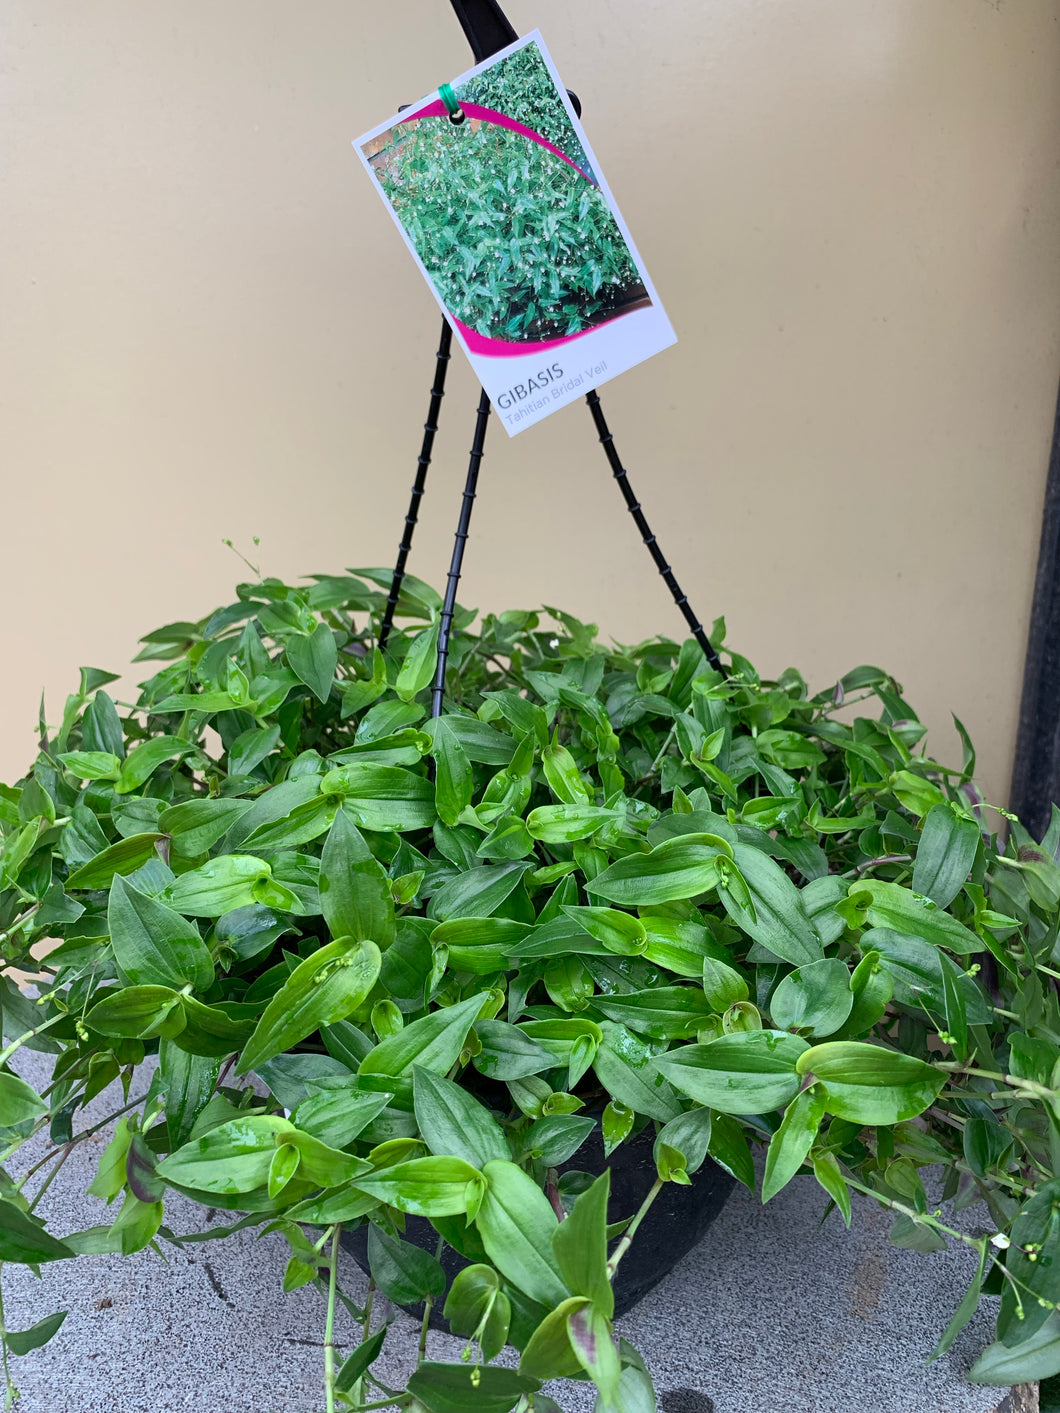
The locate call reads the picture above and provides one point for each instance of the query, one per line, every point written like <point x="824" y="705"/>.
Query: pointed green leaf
<point x="869" y="1084"/>
<point x="452" y="1122"/>
<point x="323" y="989"/>
<point x="23" y="1341"/>
<point x="420" y="661"/>
<point x="773" y="913"/>
<point x="748" y="1072"/>
<point x="580" y="1246"/>
<point x="945" y="854"/>
<point x="453" y="780"/>
<point x="153" y="945"/>
<point x="517" y="1224"/>
<point x="126" y="856"/>
<point x="313" y="658"/>
<point x="433" y="1042"/>
<point x="355" y="892"/>
<point x="793" y="1140"/>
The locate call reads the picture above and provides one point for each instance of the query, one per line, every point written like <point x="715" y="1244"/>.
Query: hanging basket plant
<point x="382" y="967"/>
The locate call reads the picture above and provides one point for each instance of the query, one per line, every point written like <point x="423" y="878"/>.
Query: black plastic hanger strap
<point x="459" y="541"/>
<point x="418" y="486"/>
<point x="680" y="598"/>
<point x="485" y="25"/>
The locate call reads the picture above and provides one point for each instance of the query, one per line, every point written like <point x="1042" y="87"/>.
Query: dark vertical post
<point x="680" y="598"/>
<point x="459" y="541"/>
<point x="1036" y="774"/>
<point x="418" y="485"/>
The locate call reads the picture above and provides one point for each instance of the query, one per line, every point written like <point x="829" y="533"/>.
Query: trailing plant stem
<point x="329" y="1323"/>
<point x="631" y="1231"/>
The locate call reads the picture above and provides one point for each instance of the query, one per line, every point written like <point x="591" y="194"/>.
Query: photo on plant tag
<point x="504" y="209"/>
<point x="518" y="235"/>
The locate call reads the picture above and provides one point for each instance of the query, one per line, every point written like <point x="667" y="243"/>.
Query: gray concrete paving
<point x="768" y="1315"/>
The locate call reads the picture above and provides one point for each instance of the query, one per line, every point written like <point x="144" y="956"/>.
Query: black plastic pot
<point x="675" y="1223"/>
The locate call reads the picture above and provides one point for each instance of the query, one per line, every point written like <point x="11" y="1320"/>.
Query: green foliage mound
<point x="736" y="913"/>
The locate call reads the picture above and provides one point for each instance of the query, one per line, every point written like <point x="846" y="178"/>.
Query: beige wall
<point x="851" y="210"/>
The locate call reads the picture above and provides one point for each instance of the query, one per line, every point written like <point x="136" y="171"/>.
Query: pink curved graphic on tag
<point x="500" y="120"/>
<point x="502" y="348"/>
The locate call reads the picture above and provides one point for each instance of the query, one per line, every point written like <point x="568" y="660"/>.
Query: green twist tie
<point x="452" y="104"/>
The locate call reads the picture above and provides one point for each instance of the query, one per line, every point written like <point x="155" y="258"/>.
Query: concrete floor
<point x="768" y="1315"/>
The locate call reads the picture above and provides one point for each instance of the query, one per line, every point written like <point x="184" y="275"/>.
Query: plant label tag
<point x="517" y="234"/>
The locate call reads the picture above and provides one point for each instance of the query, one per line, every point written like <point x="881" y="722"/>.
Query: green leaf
<point x="616" y="1124"/>
<point x="556" y="1137"/>
<point x="476" y="892"/>
<point x="945" y="854"/>
<point x="233" y="1158"/>
<point x="313" y="658"/>
<point x="153" y="945"/>
<point x="730" y="1150"/>
<point x="196" y="825"/>
<point x="594" y="1349"/>
<point x="723" y="985"/>
<point x="354" y="888"/>
<point x="403" y="1272"/>
<point x="548" y="1353"/>
<point x="816" y="998"/>
<point x="424" y="1187"/>
<point x="210" y="1031"/>
<point x="418" y="668"/>
<point x="337" y="1116"/>
<point x="219" y="886"/>
<point x="126" y="856"/>
<point x="793" y="1140"/>
<point x="461" y="1388"/>
<point x="110" y="1177"/>
<point x="250" y="748"/>
<point x="24" y="1240"/>
<point x="1035" y="1358"/>
<point x="453" y="781"/>
<point x="870" y="1085"/>
<point x="562" y="774"/>
<point x="964" y="1311"/>
<point x="138" y="1012"/>
<point x="619" y="932"/>
<point x="477" y="1306"/>
<point x="888" y="905"/>
<point x="382" y="797"/>
<point x="101" y="728"/>
<point x="689" y="1135"/>
<point x="664" y="1013"/>
<point x="871" y="987"/>
<point x="682" y="867"/>
<point x="23" y="1341"/>
<point x="434" y="1042"/>
<point x="1033" y="1262"/>
<point x="451" y="1122"/>
<point x="748" y="1072"/>
<point x="623" y="1066"/>
<point x="361" y="1360"/>
<point x="188" y="1084"/>
<point x="506" y="1053"/>
<point x="19" y="1101"/>
<point x="142" y="762"/>
<point x="826" y="1171"/>
<point x="773" y="915"/>
<point x="91" y="765"/>
<point x="479" y="944"/>
<point x="564" y="824"/>
<point x="323" y="989"/>
<point x="580" y="1246"/>
<point x="517" y="1224"/>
